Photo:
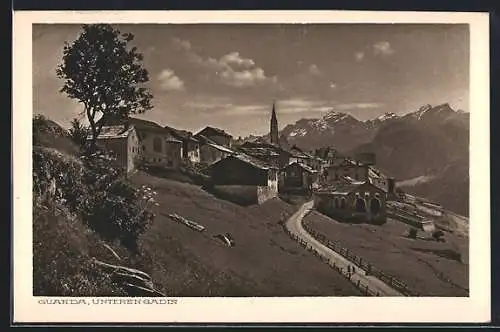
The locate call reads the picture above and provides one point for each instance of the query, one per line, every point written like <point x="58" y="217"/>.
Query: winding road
<point x="294" y="225"/>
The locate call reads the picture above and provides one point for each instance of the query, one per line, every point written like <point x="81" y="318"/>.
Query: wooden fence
<point x="342" y="270"/>
<point x="361" y="263"/>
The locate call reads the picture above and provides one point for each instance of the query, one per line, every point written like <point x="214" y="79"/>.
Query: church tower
<point x="274" y="127"/>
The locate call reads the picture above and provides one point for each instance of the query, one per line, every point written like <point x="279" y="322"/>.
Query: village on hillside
<point x="349" y="188"/>
<point x="128" y="206"/>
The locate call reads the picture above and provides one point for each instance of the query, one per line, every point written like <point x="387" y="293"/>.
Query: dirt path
<point x="294" y="225"/>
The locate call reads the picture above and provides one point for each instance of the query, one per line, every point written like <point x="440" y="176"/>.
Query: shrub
<point x="95" y="189"/>
<point x="78" y="133"/>
<point x="119" y="212"/>
<point x="61" y="265"/>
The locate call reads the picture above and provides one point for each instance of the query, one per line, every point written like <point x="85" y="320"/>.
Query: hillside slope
<point x="75" y="221"/>
<point x="263" y="262"/>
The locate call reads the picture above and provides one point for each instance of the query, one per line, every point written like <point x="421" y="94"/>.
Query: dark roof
<point x="344" y="187"/>
<point x="253" y="161"/>
<point x="181" y="134"/>
<point x="303" y="166"/>
<point x="246" y="159"/>
<point x="139" y="124"/>
<point x="215" y="130"/>
<point x="343" y="161"/>
<point x="259" y="152"/>
<point x="262" y="146"/>
<point x="118" y="131"/>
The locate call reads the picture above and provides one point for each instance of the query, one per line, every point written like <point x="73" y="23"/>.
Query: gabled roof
<point x="172" y="139"/>
<point x="375" y="172"/>
<point x="263" y="146"/>
<point x="246" y="159"/>
<point x="118" y="131"/>
<point x="259" y="152"/>
<point x="139" y="124"/>
<point x="181" y="134"/>
<point x="220" y="147"/>
<point x="303" y="166"/>
<point x="253" y="161"/>
<point x="344" y="187"/>
<point x="214" y="130"/>
<point x="341" y="162"/>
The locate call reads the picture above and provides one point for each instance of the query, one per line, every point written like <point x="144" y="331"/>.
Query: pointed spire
<point x="274" y="126"/>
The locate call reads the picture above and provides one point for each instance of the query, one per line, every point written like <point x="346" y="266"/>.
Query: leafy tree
<point x="103" y="73"/>
<point x="78" y="132"/>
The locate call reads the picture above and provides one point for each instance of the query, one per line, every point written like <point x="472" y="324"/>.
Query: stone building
<point x="157" y="146"/>
<point x="211" y="152"/>
<point x="190" y="144"/>
<point x="352" y="202"/>
<point x="123" y="142"/>
<point x="216" y="135"/>
<point x="249" y="178"/>
<point x="297" y="178"/>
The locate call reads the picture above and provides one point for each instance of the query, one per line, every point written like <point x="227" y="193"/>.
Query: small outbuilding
<point x="352" y="202"/>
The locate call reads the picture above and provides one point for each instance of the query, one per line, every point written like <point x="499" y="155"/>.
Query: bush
<point x="61" y="265"/>
<point x="95" y="189"/>
<point x="119" y="213"/>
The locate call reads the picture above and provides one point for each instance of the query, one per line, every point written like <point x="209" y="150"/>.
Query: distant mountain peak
<point x="387" y="116"/>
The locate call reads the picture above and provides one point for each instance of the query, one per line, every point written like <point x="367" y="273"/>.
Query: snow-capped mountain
<point x="346" y="132"/>
<point x="432" y="141"/>
<point x="334" y="128"/>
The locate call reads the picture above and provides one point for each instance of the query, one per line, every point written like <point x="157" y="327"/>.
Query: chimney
<point x="391" y="186"/>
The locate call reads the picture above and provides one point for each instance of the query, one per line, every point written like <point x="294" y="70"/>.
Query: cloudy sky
<point x="228" y="75"/>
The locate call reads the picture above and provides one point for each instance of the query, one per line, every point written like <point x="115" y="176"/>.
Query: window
<point x="342" y="203"/>
<point x="157" y="144"/>
<point x="143" y="148"/>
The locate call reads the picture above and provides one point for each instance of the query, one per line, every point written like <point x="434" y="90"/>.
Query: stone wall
<point x="265" y="193"/>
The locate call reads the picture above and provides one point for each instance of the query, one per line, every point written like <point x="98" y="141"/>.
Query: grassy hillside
<point x="84" y="209"/>
<point x="425" y="265"/>
<point x="264" y="261"/>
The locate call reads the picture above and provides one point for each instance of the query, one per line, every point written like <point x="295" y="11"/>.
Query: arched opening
<point x="337" y="203"/>
<point x="360" y="205"/>
<point x="342" y="203"/>
<point x="375" y="206"/>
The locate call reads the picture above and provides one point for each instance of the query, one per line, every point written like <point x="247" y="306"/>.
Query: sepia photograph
<point x="244" y="160"/>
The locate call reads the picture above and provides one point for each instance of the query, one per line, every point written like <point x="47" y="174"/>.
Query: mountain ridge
<point x="430" y="142"/>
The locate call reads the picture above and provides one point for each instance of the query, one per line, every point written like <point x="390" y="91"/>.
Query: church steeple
<point x="274" y="127"/>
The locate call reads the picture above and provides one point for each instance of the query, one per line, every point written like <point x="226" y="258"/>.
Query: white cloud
<point x="243" y="78"/>
<point x="231" y="69"/>
<point x="383" y="48"/>
<point x="314" y="70"/>
<point x="359" y="56"/>
<point x="169" y="81"/>
<point x="234" y="58"/>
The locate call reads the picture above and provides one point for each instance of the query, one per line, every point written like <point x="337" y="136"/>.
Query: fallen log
<point x="133" y="279"/>
<point x="119" y="268"/>
<point x="135" y="290"/>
